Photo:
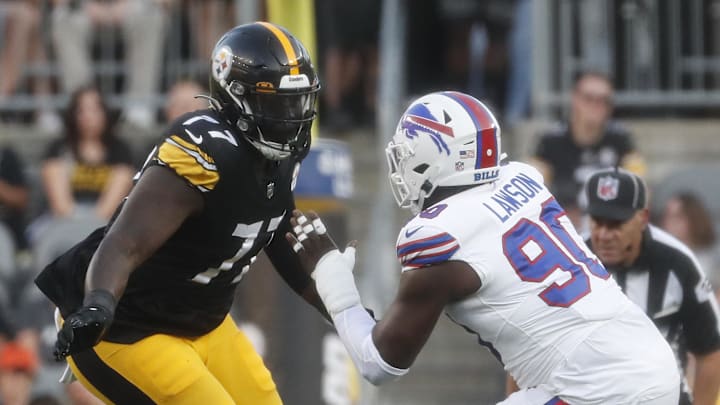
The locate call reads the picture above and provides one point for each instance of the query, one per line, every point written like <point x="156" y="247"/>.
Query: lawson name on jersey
<point x="513" y="196"/>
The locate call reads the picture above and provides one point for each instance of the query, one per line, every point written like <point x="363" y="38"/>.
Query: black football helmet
<point x="264" y="84"/>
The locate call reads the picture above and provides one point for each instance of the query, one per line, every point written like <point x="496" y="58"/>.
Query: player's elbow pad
<point x="374" y="368"/>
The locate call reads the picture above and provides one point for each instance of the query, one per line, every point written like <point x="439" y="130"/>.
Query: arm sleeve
<point x="354" y="326"/>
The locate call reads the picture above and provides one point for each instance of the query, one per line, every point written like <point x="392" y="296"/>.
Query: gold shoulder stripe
<point x="287" y="47"/>
<point x="189" y="164"/>
<point x="191" y="147"/>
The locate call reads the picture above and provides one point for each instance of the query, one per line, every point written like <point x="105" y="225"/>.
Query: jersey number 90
<point x="537" y="250"/>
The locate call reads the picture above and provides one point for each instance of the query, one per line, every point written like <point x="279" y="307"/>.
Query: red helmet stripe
<point x="443" y="129"/>
<point x="487" y="148"/>
<point x="476" y="110"/>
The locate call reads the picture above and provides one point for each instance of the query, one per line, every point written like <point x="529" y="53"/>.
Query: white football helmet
<point x="443" y="139"/>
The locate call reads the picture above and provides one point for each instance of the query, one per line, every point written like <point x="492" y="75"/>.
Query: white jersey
<point x="547" y="308"/>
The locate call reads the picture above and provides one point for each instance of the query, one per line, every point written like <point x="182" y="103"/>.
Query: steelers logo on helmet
<point x="266" y="86"/>
<point x="222" y="63"/>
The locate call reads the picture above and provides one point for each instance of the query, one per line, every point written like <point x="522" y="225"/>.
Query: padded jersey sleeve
<point x="421" y="245"/>
<point x="184" y="152"/>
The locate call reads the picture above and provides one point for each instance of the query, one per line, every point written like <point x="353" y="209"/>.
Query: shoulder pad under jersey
<point x="421" y="245"/>
<point x="193" y="146"/>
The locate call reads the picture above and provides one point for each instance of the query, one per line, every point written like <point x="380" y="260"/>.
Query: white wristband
<point x="334" y="280"/>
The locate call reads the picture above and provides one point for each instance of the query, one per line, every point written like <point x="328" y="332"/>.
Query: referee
<point x="659" y="274"/>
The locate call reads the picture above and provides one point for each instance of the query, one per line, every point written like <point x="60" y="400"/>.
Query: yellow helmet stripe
<point x="287" y="47"/>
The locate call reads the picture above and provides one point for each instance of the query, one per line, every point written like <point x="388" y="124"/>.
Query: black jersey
<point x="668" y="284"/>
<point x="572" y="164"/>
<point x="186" y="287"/>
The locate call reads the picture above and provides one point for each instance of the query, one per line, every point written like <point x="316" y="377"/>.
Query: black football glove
<point x="85" y="327"/>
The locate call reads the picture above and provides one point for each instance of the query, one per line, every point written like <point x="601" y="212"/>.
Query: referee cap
<point x="615" y="194"/>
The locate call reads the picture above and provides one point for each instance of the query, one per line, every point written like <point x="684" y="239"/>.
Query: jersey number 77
<point x="538" y="249"/>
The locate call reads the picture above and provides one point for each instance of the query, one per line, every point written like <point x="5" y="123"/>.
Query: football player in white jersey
<point x="490" y="247"/>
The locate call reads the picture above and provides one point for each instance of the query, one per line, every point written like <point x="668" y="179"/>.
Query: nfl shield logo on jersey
<point x="607" y="188"/>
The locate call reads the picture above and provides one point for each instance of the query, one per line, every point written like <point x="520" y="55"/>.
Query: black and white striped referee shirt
<point x="667" y="283"/>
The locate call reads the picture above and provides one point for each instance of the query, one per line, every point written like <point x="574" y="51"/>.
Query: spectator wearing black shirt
<point x="587" y="141"/>
<point x="660" y="274"/>
<point x="89" y="169"/>
<point x="85" y="173"/>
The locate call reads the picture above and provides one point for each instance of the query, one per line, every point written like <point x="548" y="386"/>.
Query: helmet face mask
<point x="266" y="87"/>
<point x="281" y="122"/>
<point x="295" y="108"/>
<point x="442" y="140"/>
<point x="397" y="158"/>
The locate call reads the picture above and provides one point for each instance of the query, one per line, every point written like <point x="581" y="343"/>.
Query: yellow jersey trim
<point x="188" y="161"/>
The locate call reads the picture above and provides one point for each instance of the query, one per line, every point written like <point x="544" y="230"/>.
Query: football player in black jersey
<point x="145" y="300"/>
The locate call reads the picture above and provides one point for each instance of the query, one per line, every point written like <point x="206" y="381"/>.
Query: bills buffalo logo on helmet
<point x="418" y="119"/>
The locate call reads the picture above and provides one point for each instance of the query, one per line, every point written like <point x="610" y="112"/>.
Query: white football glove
<point x="334" y="280"/>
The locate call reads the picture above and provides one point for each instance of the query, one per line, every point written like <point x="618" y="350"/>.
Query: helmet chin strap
<point x="269" y="150"/>
<point x="416" y="206"/>
<point x="273" y="150"/>
<point x="214" y="104"/>
<point x="424" y="194"/>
